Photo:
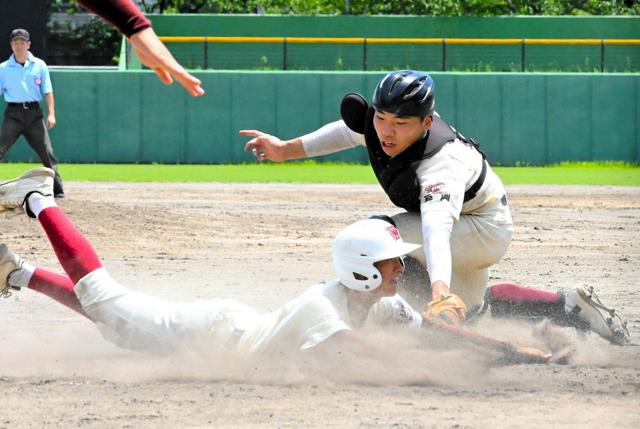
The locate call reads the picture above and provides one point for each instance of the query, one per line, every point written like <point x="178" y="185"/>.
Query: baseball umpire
<point x="24" y="81"/>
<point x="455" y="205"/>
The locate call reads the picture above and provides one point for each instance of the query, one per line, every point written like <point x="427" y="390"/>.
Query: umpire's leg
<point x="11" y="129"/>
<point x="38" y="138"/>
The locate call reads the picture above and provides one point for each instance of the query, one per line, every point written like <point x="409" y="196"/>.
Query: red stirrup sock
<point x="515" y="293"/>
<point x="56" y="286"/>
<point x="513" y="300"/>
<point x="74" y="251"/>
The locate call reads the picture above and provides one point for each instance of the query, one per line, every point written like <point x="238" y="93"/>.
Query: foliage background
<point x="97" y="43"/>
<point x="398" y="7"/>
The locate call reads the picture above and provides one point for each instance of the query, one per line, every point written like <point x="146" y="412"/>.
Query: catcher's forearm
<point x="294" y="149"/>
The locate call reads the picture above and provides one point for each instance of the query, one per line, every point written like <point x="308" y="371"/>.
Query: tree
<point x="398" y="7"/>
<point x="100" y="41"/>
<point x="94" y="43"/>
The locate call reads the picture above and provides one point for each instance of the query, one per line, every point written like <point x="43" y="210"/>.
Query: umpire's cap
<point x="19" y="33"/>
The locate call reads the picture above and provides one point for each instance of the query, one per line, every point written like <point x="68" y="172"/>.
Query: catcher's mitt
<point x="446" y="308"/>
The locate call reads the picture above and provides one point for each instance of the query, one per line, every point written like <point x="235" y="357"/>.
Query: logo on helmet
<point x="394" y="232"/>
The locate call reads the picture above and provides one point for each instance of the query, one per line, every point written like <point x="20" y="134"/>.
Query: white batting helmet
<point x="357" y="247"/>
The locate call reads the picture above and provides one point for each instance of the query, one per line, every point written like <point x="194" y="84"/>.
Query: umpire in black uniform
<point x="24" y="81"/>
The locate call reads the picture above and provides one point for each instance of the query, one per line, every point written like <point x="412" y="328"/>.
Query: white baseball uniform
<point x="460" y="240"/>
<point x="137" y="321"/>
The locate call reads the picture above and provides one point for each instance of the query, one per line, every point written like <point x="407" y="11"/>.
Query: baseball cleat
<point x="14" y="193"/>
<point x="588" y="309"/>
<point x="9" y="262"/>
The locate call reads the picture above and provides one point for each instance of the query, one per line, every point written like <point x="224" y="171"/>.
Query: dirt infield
<point x="264" y="244"/>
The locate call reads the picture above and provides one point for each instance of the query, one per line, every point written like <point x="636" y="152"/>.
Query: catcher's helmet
<point x="360" y="245"/>
<point x="405" y="93"/>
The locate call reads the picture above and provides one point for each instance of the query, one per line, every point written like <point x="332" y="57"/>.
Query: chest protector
<point x="397" y="175"/>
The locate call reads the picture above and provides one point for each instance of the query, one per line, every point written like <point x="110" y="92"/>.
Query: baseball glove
<point x="449" y="309"/>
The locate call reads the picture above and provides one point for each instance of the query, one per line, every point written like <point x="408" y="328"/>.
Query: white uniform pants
<point x="478" y="241"/>
<point x="142" y="322"/>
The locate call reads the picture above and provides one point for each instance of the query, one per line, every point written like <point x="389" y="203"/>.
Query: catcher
<point x="455" y="205"/>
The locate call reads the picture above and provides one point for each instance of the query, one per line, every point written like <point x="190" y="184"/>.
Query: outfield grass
<point x="311" y="172"/>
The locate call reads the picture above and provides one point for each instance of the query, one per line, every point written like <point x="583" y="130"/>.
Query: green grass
<point x="582" y="173"/>
<point x="312" y="172"/>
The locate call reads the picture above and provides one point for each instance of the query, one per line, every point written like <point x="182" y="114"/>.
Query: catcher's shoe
<point x="14" y="193"/>
<point x="9" y="262"/>
<point x="594" y="315"/>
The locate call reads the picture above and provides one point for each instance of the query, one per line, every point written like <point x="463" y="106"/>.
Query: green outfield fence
<point x="430" y="43"/>
<point x="518" y="118"/>
<point x="361" y="53"/>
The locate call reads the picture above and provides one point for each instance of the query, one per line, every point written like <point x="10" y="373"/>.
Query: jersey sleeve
<point x="333" y="137"/>
<point x="393" y="310"/>
<point x="318" y="321"/>
<point x="443" y="181"/>
<point x="123" y="14"/>
<point x="441" y="188"/>
<point x="436" y="232"/>
<point x="46" y="86"/>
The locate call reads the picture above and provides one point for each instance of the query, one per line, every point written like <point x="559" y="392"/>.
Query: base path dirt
<point x="263" y="244"/>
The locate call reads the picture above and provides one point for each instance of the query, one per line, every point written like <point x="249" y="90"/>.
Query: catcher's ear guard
<point x="353" y="110"/>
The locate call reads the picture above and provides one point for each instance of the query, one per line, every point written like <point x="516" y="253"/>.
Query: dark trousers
<point x="30" y="123"/>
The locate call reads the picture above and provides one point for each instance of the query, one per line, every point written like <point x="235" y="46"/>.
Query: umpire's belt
<point x="473" y="190"/>
<point x="26" y="105"/>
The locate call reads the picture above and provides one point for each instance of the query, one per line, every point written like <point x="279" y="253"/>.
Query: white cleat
<point x="599" y="318"/>
<point x="14" y="193"/>
<point x="9" y="262"/>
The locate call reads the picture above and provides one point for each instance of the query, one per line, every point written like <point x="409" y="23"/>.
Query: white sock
<point x="21" y="277"/>
<point x="38" y="202"/>
<point x="569" y="303"/>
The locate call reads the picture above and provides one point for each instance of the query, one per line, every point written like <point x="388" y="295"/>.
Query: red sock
<point x="74" y="251"/>
<point x="517" y="294"/>
<point x="56" y="286"/>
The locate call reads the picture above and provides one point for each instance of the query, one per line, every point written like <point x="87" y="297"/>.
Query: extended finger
<point x="192" y="84"/>
<point x="164" y="76"/>
<point x="193" y="88"/>
<point x="252" y="133"/>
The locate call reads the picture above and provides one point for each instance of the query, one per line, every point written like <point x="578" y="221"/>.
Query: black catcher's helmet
<point x="405" y="93"/>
